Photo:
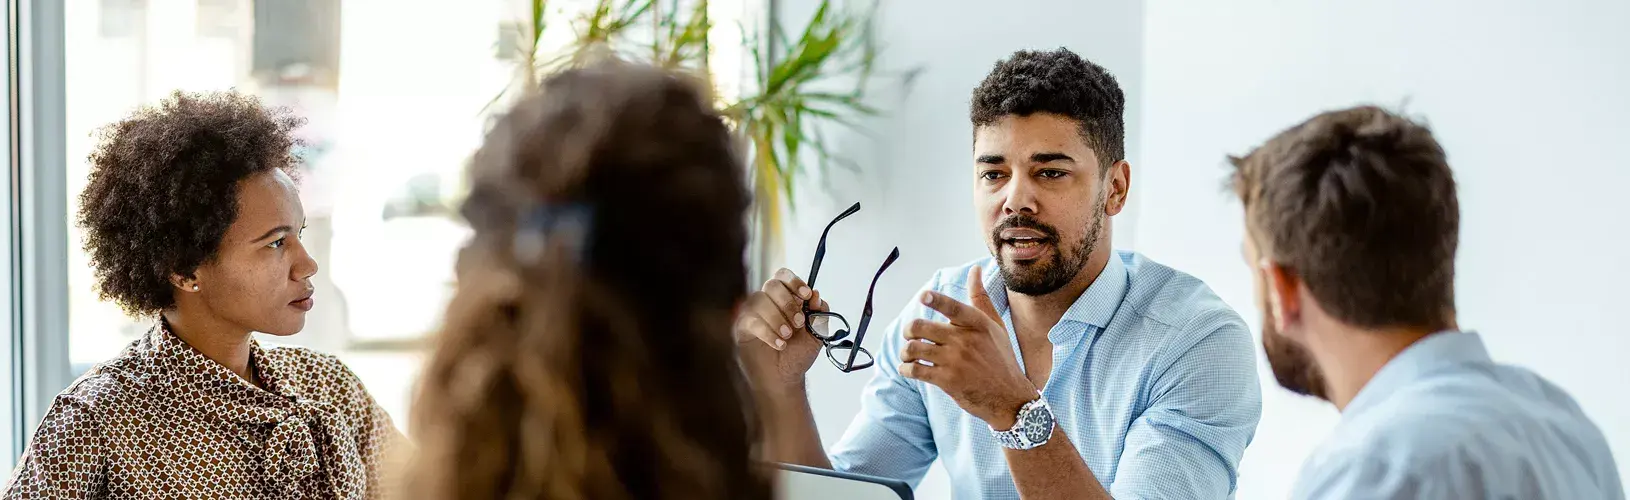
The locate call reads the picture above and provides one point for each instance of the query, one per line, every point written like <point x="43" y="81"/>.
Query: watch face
<point x="1038" y="425"/>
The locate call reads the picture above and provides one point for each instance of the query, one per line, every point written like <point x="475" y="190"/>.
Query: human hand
<point x="970" y="358"/>
<point x="770" y="332"/>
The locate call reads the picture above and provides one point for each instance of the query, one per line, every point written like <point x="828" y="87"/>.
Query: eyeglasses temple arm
<point x="820" y="248"/>
<point x="866" y="313"/>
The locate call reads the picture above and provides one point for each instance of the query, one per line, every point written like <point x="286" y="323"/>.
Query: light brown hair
<point x="1360" y="204"/>
<point x="587" y="352"/>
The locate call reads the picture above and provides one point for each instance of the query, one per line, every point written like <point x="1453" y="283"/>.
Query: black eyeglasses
<point x="844" y="353"/>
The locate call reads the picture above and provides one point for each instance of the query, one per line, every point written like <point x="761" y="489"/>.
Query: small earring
<point x="195" y="287"/>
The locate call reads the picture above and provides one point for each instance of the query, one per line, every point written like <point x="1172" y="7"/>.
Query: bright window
<point x="395" y="92"/>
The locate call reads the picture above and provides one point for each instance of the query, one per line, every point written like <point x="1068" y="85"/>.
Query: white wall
<point x="916" y="184"/>
<point x="1529" y="98"/>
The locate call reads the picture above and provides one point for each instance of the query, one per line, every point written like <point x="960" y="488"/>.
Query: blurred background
<point x="1530" y="99"/>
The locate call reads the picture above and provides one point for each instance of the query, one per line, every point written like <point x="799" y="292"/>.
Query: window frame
<point x="36" y="303"/>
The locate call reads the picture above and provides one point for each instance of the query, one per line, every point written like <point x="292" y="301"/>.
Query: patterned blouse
<point x="161" y="420"/>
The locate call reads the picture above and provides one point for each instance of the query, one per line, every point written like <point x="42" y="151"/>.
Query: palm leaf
<point x="804" y="79"/>
<point x="797" y="76"/>
<point x="681" y="36"/>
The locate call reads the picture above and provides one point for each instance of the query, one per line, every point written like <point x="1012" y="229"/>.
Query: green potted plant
<point x="801" y="81"/>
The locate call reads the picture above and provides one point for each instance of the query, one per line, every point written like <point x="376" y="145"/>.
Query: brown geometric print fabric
<point x="163" y="421"/>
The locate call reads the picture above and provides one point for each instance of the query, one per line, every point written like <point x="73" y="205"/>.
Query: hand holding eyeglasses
<point x="786" y="306"/>
<point x="970" y="358"/>
<point x="769" y="329"/>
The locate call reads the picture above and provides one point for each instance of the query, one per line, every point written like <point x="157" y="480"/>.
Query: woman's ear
<point x="184" y="283"/>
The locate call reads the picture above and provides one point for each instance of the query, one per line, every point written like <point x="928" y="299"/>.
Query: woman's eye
<point x="279" y="243"/>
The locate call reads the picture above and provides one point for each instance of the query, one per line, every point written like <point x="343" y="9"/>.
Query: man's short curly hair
<point x="1059" y="82"/>
<point x="163" y="189"/>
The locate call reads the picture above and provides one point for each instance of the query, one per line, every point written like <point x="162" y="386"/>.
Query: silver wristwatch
<point x="1032" y="429"/>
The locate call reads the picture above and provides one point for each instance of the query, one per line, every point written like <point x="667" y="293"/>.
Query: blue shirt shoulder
<point x="1183" y="309"/>
<point x="1442" y="420"/>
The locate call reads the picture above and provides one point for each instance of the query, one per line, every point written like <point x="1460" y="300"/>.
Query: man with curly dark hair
<point x="192" y="218"/>
<point x="1056" y="368"/>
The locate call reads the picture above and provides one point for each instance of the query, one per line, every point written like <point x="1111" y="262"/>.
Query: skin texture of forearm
<point x="1053" y="470"/>
<point x="790" y="430"/>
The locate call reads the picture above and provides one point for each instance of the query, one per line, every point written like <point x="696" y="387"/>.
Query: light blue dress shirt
<point x="1154" y="380"/>
<point x="1442" y="420"/>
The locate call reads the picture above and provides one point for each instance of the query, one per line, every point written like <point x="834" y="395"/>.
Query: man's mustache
<point x="1024" y="221"/>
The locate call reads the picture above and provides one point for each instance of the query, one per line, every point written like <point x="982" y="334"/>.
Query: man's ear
<point x="1119" y="184"/>
<point x="1284" y="294"/>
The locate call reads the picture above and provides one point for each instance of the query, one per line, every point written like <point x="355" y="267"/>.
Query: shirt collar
<point x="193" y="374"/>
<point x="1095" y="307"/>
<point x="1429" y="354"/>
<point x="303" y="433"/>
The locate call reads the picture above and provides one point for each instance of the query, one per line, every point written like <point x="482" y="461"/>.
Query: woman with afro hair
<point x="192" y="218"/>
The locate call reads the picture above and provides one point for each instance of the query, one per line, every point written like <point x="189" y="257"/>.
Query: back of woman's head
<point x="587" y="351"/>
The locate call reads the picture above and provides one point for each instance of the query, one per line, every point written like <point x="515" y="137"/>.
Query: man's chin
<point x="1030" y="281"/>
<point x="1292" y="366"/>
<point x="1016" y="268"/>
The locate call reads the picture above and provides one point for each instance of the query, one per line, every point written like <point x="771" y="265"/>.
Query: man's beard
<point x="1293" y="366"/>
<point x="1048" y="274"/>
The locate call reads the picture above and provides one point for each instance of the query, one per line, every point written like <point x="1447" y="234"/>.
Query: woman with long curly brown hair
<point x="587" y="352"/>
